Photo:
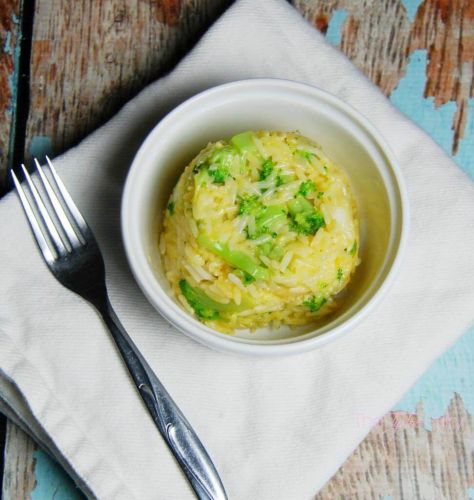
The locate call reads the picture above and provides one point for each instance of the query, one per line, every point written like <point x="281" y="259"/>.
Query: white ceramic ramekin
<point x="346" y="137"/>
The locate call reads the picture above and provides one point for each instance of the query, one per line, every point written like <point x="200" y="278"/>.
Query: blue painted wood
<point x="454" y="371"/>
<point x="40" y="147"/>
<point x="51" y="481"/>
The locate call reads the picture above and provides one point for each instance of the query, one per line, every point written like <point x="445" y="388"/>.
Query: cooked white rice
<point x="260" y="230"/>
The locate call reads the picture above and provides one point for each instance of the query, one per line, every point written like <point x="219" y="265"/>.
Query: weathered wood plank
<point x="450" y="54"/>
<point x="19" y="478"/>
<point x="400" y="458"/>
<point x="378" y="37"/>
<point x="9" y="25"/>
<point x="89" y="58"/>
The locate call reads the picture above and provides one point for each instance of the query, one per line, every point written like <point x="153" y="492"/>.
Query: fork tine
<point x="35" y="227"/>
<point x="48" y="221"/>
<point x="82" y="224"/>
<point x="62" y="216"/>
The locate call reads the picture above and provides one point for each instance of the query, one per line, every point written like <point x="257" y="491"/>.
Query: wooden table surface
<point x="66" y="67"/>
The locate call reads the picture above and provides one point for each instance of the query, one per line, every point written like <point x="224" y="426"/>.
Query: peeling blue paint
<point x="412" y="7"/>
<point x="7" y="46"/>
<point x="52" y="481"/>
<point x="334" y="32"/>
<point x="40" y="146"/>
<point x="452" y="372"/>
<point x="409" y="98"/>
<point x="13" y="76"/>
<point x="13" y="87"/>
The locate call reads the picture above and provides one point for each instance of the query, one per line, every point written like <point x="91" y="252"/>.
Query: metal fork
<point x="71" y="252"/>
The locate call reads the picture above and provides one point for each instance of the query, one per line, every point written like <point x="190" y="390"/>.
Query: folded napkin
<point x="276" y="428"/>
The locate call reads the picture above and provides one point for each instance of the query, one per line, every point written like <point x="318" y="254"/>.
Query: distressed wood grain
<point x="401" y="459"/>
<point x="378" y="37"/>
<point x="450" y="54"/>
<point x="18" y="476"/>
<point x="89" y="58"/>
<point x="375" y="35"/>
<point x="9" y="16"/>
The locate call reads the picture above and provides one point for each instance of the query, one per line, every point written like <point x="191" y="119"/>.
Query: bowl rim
<point x="198" y="331"/>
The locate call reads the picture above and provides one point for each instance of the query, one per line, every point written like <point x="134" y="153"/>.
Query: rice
<point x="260" y="230"/>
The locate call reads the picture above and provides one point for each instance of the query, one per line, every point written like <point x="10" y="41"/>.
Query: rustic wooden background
<point x="66" y="67"/>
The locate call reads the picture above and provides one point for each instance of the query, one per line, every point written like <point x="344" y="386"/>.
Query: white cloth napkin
<point x="276" y="429"/>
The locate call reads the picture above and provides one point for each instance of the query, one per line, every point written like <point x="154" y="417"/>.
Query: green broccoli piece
<point x="170" y="207"/>
<point x="314" y="303"/>
<point x="271" y="250"/>
<point x="267" y="169"/>
<point x="307" y="223"/>
<point x="244" y="143"/>
<point x="249" y="205"/>
<point x="320" y="195"/>
<point x="300" y="205"/>
<point x="235" y="258"/>
<point x="203" y="305"/>
<point x="304" y="219"/>
<point x="266" y="217"/>
<point x="207" y="308"/>
<point x="353" y="249"/>
<point x="283" y="179"/>
<point x="306" y="188"/>
<point x="218" y="173"/>
<point x="244" y="277"/>
<point x="269" y="217"/>
<point x="307" y="155"/>
<point x="218" y="164"/>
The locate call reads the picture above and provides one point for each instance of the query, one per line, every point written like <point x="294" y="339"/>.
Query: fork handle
<point x="172" y="424"/>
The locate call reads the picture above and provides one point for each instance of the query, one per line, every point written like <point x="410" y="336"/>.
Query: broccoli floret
<point x="267" y="169"/>
<point x="306" y="188"/>
<point x="219" y="173"/>
<point x="314" y="303"/>
<point x="170" y="207"/>
<point x="304" y="218"/>
<point x="249" y="205"/>
<point x="218" y="164"/>
<point x="266" y="217"/>
<point x="307" y="223"/>
<point x="216" y="171"/>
